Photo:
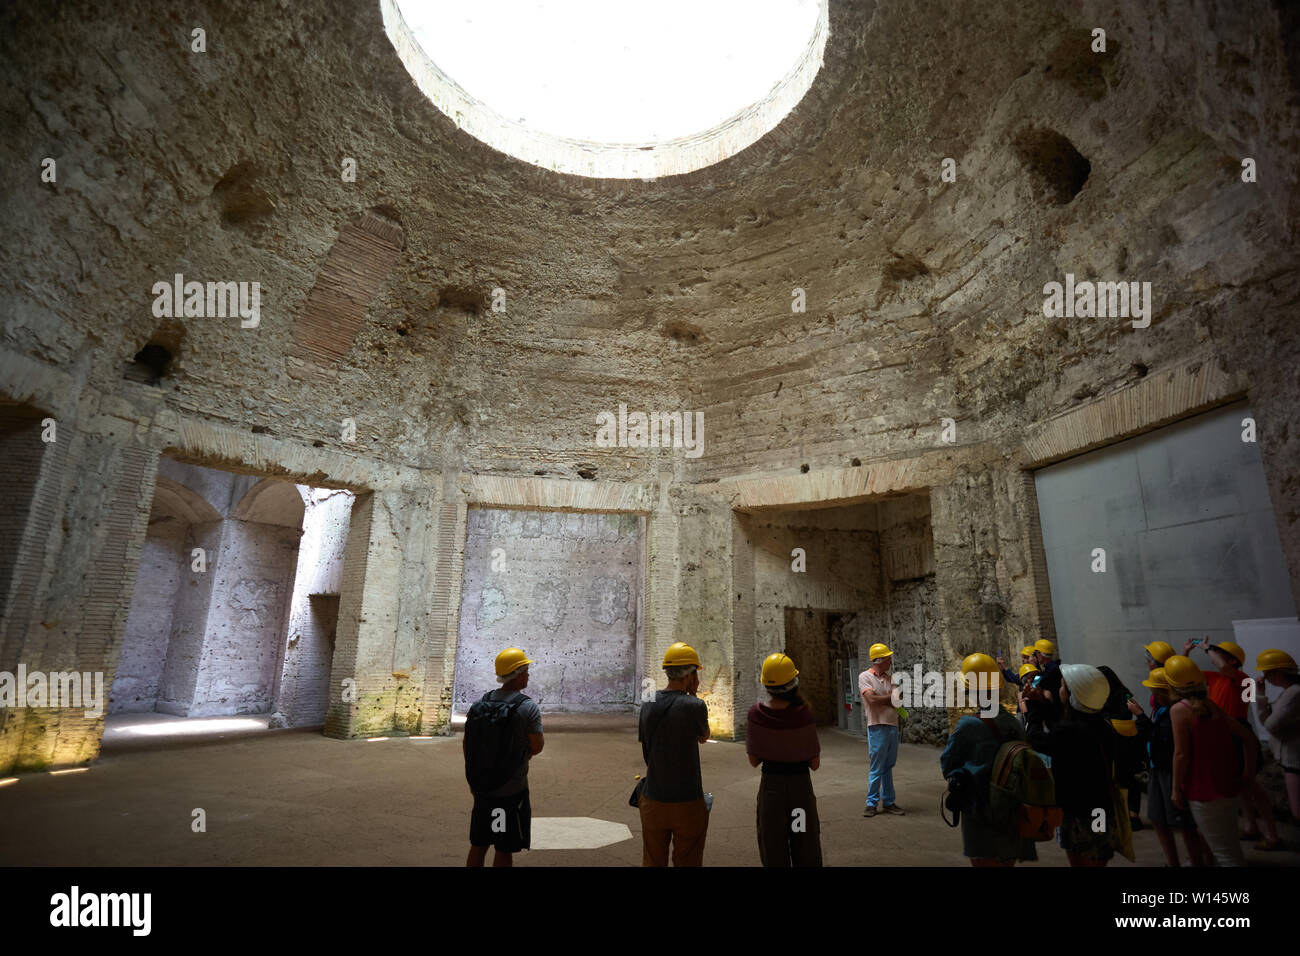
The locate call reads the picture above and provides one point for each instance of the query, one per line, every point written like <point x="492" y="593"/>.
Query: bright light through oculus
<point x="584" y="85"/>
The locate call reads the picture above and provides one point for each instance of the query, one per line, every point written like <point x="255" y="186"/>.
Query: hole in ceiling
<point x="242" y="199"/>
<point x="149" y="365"/>
<point x="154" y="361"/>
<point x="1061" y="169"/>
<point x="463" y="298"/>
<point x="681" y="331"/>
<point x="612" y="90"/>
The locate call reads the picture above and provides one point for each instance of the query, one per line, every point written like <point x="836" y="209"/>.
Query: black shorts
<point x="509" y="830"/>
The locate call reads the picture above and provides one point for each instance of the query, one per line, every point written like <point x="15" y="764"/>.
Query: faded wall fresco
<point x="565" y="588"/>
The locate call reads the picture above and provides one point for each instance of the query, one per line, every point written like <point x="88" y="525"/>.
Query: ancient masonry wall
<point x="246" y="623"/>
<point x="189" y="622"/>
<point x="907" y="618"/>
<point x="75" y="565"/>
<point x="313" y="617"/>
<point x="206" y="636"/>
<point x="75" y="568"/>
<point x="841" y="572"/>
<point x="563" y="587"/>
<point x="149" y="625"/>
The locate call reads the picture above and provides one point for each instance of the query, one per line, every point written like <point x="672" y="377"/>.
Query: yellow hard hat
<point x="778" y="670"/>
<point x="980" y="663"/>
<point x="878" y="651"/>
<point x="1157" y="680"/>
<point x="1045" y="646"/>
<point x="1027" y="651"/>
<point x="1125" y="728"/>
<point x="1159" y="651"/>
<point x="1027" y="669"/>
<point x="1275" y="660"/>
<point x="510" y="660"/>
<point x="679" y="655"/>
<point x="1233" y="648"/>
<point x="1181" y="672"/>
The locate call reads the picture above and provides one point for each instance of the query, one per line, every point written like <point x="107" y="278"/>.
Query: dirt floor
<point x="296" y="798"/>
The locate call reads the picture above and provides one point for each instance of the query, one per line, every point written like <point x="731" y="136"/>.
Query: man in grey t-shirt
<point x="502" y="816"/>
<point x="671" y="731"/>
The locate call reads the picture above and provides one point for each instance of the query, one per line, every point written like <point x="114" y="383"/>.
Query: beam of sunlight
<point x="186" y="726"/>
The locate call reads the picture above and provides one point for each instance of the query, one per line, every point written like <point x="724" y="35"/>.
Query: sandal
<point x="1250" y="835"/>
<point x="1269" y="846"/>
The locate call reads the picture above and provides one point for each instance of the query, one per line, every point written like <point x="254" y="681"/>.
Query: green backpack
<point x="1022" y="794"/>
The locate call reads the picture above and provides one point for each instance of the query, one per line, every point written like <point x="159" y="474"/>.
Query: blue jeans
<point x="882" y="743"/>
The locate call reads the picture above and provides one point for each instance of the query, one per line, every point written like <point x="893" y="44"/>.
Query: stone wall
<point x="247" y="620"/>
<point x="566" y="589"/>
<point x="906" y="619"/>
<point x="840" y="572"/>
<point x="149" y="625"/>
<point x="808" y="641"/>
<point x="21" y="450"/>
<point x="206" y="633"/>
<point x="303" y="691"/>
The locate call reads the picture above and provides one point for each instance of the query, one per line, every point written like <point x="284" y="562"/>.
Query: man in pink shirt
<point x="876" y="685"/>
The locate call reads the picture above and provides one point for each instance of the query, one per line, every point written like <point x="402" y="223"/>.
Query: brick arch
<point x="271" y="501"/>
<point x="171" y="499"/>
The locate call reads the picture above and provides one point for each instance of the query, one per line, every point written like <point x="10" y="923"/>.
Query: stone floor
<point x="293" y="797"/>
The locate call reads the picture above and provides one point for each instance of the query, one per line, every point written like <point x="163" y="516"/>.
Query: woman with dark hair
<point x="1130" y="753"/>
<point x="782" y="736"/>
<point x="1068" y="726"/>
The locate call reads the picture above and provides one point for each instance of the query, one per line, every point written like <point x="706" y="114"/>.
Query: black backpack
<point x="495" y="742"/>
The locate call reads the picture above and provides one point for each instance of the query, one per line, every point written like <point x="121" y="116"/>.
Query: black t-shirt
<point x="676" y="721"/>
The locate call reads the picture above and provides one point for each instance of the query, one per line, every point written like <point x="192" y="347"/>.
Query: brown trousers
<point x="685" y="825"/>
<point x="779" y="843"/>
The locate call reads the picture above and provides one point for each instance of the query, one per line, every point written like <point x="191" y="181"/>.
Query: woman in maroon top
<point x="782" y="736"/>
<point x="1207" y="776"/>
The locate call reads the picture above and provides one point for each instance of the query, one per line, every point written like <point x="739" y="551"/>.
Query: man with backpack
<point x="503" y="731"/>
<point x="1003" y="789"/>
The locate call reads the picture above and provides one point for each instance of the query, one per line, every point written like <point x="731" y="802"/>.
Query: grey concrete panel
<point x="1190" y="537"/>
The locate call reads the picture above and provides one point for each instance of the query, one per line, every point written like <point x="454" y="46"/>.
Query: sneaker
<point x="869" y="812"/>
<point x="895" y="809"/>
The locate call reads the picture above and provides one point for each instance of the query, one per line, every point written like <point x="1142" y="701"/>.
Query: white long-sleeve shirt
<point x="1281" y="719"/>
